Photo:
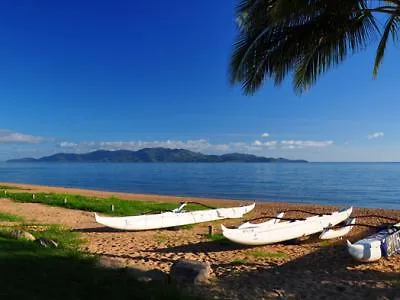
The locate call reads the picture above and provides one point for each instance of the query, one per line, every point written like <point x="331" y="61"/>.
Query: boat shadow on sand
<point x="201" y="247"/>
<point x="326" y="273"/>
<point x="222" y="245"/>
<point x="102" y="229"/>
<point x="105" y="229"/>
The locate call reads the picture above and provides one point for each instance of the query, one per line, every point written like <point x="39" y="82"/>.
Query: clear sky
<point x="78" y="76"/>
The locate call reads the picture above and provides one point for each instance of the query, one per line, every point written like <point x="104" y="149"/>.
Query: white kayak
<point x="177" y="217"/>
<point x="286" y="230"/>
<point x="330" y="233"/>
<point x="383" y="243"/>
<point x="276" y="220"/>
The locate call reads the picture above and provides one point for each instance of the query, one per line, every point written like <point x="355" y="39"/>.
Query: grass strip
<point x="267" y="254"/>
<point x="216" y="237"/>
<point x="10" y="218"/>
<point x="239" y="261"/>
<point x="9" y="187"/>
<point x="112" y="206"/>
<point x="220" y="239"/>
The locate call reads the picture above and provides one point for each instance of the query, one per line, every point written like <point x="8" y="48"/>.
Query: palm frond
<point x="390" y="27"/>
<point x="305" y="38"/>
<point x="333" y="48"/>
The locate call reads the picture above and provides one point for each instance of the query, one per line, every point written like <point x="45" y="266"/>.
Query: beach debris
<point x="35" y="227"/>
<point x="46" y="242"/>
<point x="185" y="271"/>
<point x="144" y="275"/>
<point x="279" y="294"/>
<point x="22" y="235"/>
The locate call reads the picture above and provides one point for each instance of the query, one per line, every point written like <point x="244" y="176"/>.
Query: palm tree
<point x="305" y="38"/>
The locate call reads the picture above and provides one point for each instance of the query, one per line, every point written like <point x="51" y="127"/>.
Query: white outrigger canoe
<point x="284" y="231"/>
<point x="174" y="218"/>
<point x="383" y="243"/>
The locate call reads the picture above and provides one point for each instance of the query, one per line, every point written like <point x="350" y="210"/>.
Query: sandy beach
<point x="307" y="269"/>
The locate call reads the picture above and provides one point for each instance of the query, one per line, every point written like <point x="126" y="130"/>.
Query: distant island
<point x="155" y="155"/>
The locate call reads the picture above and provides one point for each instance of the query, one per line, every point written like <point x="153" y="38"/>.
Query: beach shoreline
<point x="307" y="268"/>
<point x="173" y="199"/>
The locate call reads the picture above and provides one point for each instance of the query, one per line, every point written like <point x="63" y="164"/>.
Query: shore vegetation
<point x="111" y="206"/>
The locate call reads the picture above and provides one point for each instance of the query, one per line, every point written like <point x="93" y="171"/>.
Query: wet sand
<point x="306" y="269"/>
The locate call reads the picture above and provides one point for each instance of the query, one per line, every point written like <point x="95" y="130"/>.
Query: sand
<point x="307" y="269"/>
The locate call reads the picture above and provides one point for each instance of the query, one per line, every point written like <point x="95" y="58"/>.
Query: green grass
<point x="159" y="238"/>
<point x="395" y="282"/>
<point x="10" y="218"/>
<point x="216" y="237"/>
<point x="102" y="205"/>
<point x="219" y="238"/>
<point x="239" y="261"/>
<point x="30" y="271"/>
<point x="326" y="243"/>
<point x="267" y="254"/>
<point x="8" y="187"/>
<point x="65" y="238"/>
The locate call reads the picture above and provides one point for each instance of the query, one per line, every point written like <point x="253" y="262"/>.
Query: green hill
<point x="153" y="155"/>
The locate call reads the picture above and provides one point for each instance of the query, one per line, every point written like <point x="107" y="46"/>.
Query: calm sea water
<point x="344" y="184"/>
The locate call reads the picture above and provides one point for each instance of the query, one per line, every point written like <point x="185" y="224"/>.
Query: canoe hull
<point x="368" y="252"/>
<point x="172" y="219"/>
<point x="372" y="248"/>
<point x="284" y="231"/>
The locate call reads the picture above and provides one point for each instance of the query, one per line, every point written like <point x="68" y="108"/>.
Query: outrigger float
<point x="331" y="233"/>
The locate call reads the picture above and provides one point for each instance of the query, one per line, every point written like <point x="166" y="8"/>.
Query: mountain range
<point x="154" y="155"/>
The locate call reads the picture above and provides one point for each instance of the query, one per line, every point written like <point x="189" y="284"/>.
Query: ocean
<point x="358" y="184"/>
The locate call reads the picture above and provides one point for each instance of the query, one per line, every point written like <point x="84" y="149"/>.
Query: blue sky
<point x="78" y="76"/>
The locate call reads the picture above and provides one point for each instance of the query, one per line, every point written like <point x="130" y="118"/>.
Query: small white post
<point x="5" y="192"/>
<point x="33" y="196"/>
<point x="210" y="230"/>
<point x="112" y="207"/>
<point x="65" y="200"/>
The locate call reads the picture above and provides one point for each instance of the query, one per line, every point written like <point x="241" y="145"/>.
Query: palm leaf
<point x="390" y="27"/>
<point x="302" y="38"/>
<point x="350" y="37"/>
